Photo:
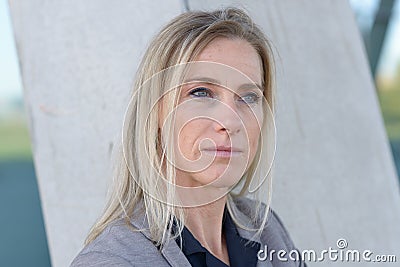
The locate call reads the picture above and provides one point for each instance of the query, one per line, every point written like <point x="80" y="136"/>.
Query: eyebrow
<point x="214" y="81"/>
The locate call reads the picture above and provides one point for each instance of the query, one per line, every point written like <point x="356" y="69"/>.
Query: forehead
<point x="235" y="54"/>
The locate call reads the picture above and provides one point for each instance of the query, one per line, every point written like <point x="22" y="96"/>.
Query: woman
<point x="198" y="143"/>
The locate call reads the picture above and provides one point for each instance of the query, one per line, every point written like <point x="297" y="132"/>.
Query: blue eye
<point x="200" y="92"/>
<point x="250" y="98"/>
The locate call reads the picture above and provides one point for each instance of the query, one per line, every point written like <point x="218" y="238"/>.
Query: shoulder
<point x="118" y="245"/>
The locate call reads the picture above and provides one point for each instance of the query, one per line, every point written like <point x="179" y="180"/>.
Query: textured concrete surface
<point x="78" y="59"/>
<point x="334" y="175"/>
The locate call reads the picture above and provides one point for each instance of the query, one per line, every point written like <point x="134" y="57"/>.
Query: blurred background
<point x="21" y="221"/>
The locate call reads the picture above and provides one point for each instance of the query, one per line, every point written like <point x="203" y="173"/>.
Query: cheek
<point x="253" y="135"/>
<point x="190" y="134"/>
<point x="253" y="123"/>
<point x="186" y="138"/>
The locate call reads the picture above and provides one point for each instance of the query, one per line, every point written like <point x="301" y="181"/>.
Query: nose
<point x="228" y="120"/>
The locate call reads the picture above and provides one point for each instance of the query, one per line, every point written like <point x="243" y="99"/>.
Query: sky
<point x="10" y="81"/>
<point x="11" y="85"/>
<point x="390" y="56"/>
<point x="391" y="50"/>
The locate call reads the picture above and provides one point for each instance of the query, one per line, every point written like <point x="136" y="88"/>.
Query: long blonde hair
<point x="139" y="161"/>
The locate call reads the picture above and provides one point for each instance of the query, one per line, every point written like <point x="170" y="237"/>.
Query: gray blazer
<point x="119" y="245"/>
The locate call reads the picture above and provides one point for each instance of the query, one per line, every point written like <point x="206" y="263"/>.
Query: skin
<point x="232" y="120"/>
<point x="219" y="115"/>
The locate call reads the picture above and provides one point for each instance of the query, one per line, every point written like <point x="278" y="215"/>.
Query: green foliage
<point x="14" y="139"/>
<point x="389" y="97"/>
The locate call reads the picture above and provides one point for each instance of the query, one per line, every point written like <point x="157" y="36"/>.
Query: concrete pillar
<point x="78" y="60"/>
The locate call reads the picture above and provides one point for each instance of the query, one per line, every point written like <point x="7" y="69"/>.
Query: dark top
<point x="242" y="252"/>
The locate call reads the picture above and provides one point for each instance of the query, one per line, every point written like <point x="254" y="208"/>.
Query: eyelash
<point x="209" y="93"/>
<point x="256" y="98"/>
<point x="200" y="89"/>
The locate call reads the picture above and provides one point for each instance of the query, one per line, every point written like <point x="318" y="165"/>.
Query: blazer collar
<point x="171" y="251"/>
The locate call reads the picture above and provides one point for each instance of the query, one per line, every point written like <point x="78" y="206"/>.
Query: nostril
<point x="229" y="130"/>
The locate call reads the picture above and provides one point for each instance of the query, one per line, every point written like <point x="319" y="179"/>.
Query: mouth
<point x="223" y="151"/>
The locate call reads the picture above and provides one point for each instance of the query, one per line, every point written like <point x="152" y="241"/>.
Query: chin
<point x="220" y="177"/>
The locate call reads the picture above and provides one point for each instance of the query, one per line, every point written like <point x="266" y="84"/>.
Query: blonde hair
<point x="138" y="168"/>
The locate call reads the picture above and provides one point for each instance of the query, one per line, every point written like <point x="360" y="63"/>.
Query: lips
<point x="223" y="151"/>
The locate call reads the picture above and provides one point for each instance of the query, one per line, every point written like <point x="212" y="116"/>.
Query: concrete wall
<point x="78" y="59"/>
<point x="334" y="175"/>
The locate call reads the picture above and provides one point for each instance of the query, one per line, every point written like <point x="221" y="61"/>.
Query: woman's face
<point x="219" y="115"/>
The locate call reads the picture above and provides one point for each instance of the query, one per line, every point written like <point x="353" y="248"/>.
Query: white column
<point x="78" y="60"/>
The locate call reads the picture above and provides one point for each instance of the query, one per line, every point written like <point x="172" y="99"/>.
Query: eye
<point x="201" y="92"/>
<point x="250" y="98"/>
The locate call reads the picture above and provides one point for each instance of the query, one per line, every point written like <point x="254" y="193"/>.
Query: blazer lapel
<point x="174" y="255"/>
<point x="171" y="252"/>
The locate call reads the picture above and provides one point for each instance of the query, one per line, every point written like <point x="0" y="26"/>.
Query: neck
<point x="205" y="223"/>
